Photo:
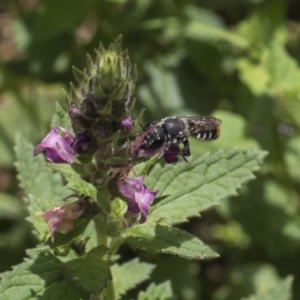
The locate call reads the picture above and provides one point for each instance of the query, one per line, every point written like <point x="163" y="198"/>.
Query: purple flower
<point x="171" y="155"/>
<point x="148" y="152"/>
<point x="58" y="148"/>
<point x="74" y="111"/>
<point x="127" y="124"/>
<point x="140" y="197"/>
<point x="61" y="218"/>
<point x="81" y="143"/>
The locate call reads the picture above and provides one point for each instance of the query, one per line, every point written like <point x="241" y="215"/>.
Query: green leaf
<point x="61" y="239"/>
<point x="39" y="277"/>
<point x="36" y="206"/>
<point x="61" y="117"/>
<point x="201" y="183"/>
<point x="119" y="208"/>
<point x="75" y="182"/>
<point x="91" y="233"/>
<point x="92" y="270"/>
<point x="282" y="291"/>
<point x="264" y="70"/>
<point x="282" y="82"/>
<point x="103" y="199"/>
<point x="161" y="291"/>
<point x="43" y="188"/>
<point x="270" y="76"/>
<point x="205" y="26"/>
<point x="129" y="275"/>
<point x="165" y="239"/>
<point x="253" y="75"/>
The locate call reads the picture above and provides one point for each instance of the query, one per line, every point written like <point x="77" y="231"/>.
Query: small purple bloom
<point x="127" y="124"/>
<point x="81" y="143"/>
<point x="58" y="148"/>
<point x="60" y="218"/>
<point x="140" y="197"/>
<point x="171" y="155"/>
<point x="74" y="111"/>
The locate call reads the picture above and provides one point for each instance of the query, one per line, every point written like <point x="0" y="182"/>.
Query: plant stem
<point x="114" y="245"/>
<point x="102" y="239"/>
<point x="109" y="292"/>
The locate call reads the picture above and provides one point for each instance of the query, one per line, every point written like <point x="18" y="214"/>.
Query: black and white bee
<point x="174" y="130"/>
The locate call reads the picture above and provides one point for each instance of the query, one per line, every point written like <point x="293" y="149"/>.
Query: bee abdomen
<point x="207" y="135"/>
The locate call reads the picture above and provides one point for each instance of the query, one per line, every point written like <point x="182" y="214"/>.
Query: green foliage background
<point x="236" y="60"/>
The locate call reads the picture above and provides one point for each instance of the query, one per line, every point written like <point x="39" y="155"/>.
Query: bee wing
<point x="202" y="127"/>
<point x="203" y="119"/>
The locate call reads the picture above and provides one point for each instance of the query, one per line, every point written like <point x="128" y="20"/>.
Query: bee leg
<point x="186" y="147"/>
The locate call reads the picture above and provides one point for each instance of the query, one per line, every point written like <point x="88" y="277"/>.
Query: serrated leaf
<point x="75" y="182"/>
<point x="161" y="291"/>
<point x="39" y="277"/>
<point x="36" y="206"/>
<point x="61" y="118"/>
<point x="45" y="190"/>
<point x="201" y="183"/>
<point x="129" y="275"/>
<point x="164" y="239"/>
<point x="92" y="270"/>
<point x="282" y="291"/>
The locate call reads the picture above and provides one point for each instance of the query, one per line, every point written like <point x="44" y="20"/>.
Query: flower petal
<point x="58" y="148"/>
<point x="139" y="196"/>
<point x="144" y="200"/>
<point x="82" y="144"/>
<point x="171" y="155"/>
<point x="61" y="218"/>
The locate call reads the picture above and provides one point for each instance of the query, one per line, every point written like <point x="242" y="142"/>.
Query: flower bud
<point x="107" y="86"/>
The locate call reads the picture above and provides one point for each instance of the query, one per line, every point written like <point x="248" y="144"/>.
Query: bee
<point x="175" y="130"/>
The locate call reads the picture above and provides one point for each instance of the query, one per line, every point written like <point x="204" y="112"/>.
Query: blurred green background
<point x="237" y="60"/>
